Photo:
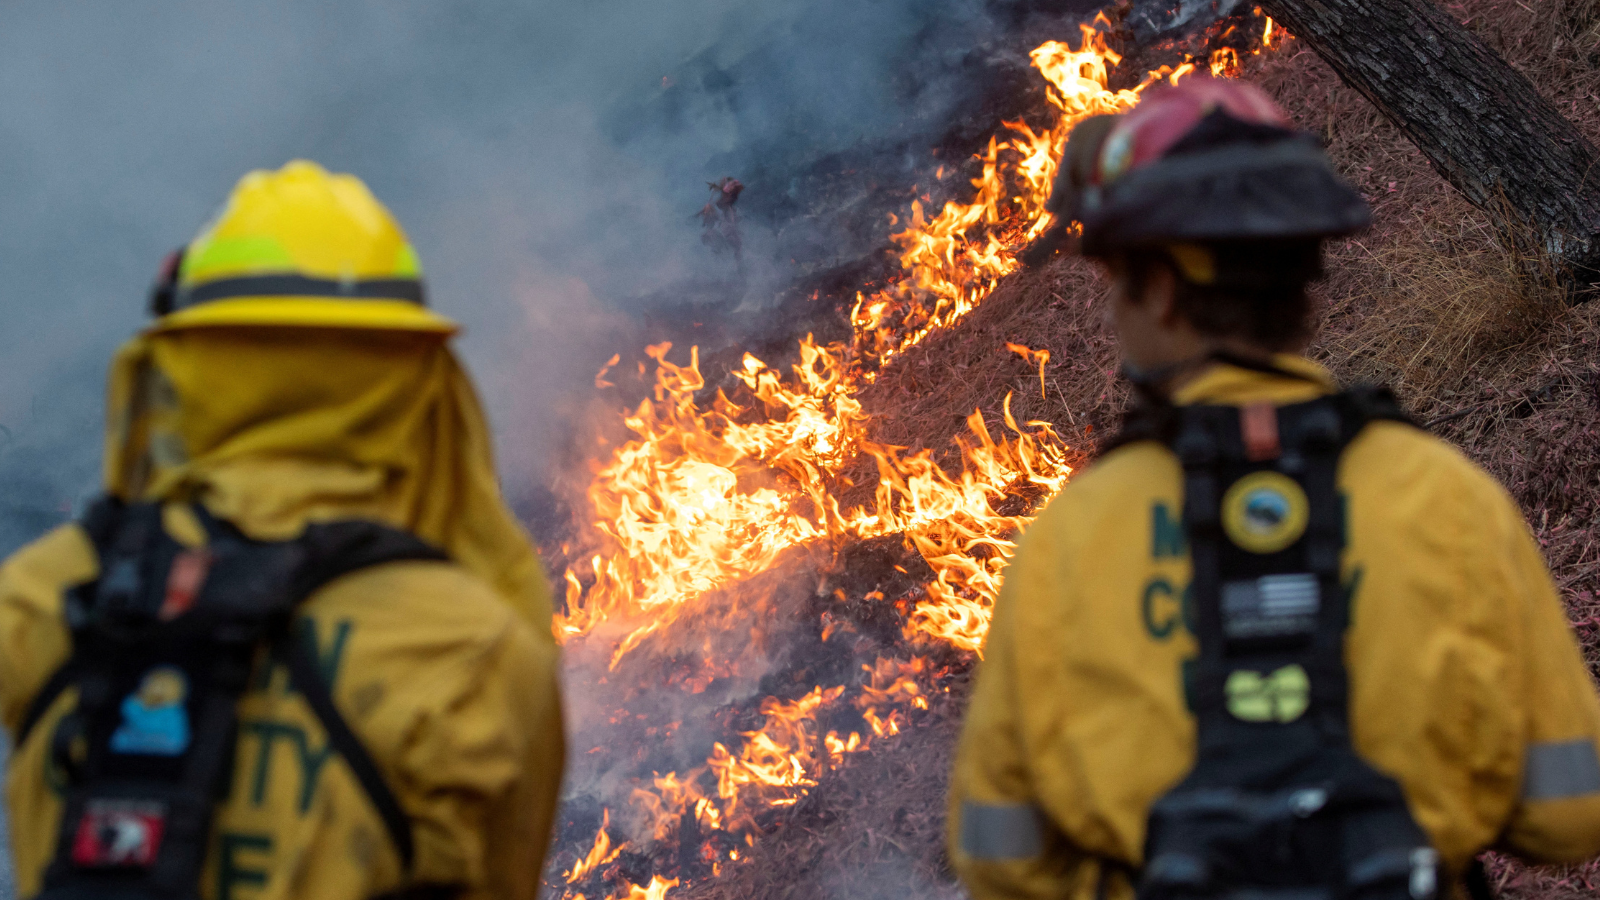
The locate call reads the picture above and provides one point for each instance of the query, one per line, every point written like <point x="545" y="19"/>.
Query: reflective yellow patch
<point x="406" y="264"/>
<point x="217" y="256"/>
<point x="1265" y="512"/>
<point x="1279" y="697"/>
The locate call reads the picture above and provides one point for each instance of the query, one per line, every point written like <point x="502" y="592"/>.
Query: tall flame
<point x="707" y="494"/>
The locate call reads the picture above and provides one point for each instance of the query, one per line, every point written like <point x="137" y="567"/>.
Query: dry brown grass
<point x="872" y="831"/>
<point x="928" y="393"/>
<point x="1438" y="296"/>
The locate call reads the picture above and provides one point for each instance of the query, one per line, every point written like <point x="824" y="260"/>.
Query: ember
<point x="665" y="593"/>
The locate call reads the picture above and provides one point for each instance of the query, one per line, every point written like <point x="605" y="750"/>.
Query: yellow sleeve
<point x="34" y="642"/>
<point x="485" y="771"/>
<point x="1557" y="817"/>
<point x="521" y="819"/>
<point x="1000" y="841"/>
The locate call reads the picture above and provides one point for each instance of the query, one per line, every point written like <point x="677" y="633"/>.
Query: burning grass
<point x="1437" y="300"/>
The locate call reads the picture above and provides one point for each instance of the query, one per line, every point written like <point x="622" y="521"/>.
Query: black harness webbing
<point x="59" y="681"/>
<point x="164" y="643"/>
<point x="1278" y="806"/>
<point x="406" y="289"/>
<point x="305" y="678"/>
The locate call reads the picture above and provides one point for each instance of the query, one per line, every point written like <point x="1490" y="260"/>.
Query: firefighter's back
<point x="1460" y="663"/>
<point x="451" y="694"/>
<point x="300" y="647"/>
<point x="1277" y="642"/>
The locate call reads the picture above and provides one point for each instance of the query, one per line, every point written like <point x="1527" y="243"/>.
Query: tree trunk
<point x="1479" y="121"/>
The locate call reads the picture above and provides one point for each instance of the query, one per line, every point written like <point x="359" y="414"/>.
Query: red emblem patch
<point x="118" y="833"/>
<point x="184" y="581"/>
<point x="1258" y="423"/>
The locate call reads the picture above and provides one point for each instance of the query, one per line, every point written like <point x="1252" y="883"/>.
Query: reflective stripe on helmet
<point x="996" y="832"/>
<point x="408" y="289"/>
<point x="1561" y="769"/>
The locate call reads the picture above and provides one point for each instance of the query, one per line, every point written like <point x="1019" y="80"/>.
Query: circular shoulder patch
<point x="1264" y="512"/>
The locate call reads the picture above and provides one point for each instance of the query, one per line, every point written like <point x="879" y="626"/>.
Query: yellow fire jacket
<point x="1466" y="683"/>
<point x="446" y="671"/>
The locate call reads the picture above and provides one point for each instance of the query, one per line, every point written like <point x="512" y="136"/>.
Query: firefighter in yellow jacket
<point x="1090" y="719"/>
<point x="293" y="377"/>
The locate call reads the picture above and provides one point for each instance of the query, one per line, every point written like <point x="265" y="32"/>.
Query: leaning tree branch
<point x="1481" y="123"/>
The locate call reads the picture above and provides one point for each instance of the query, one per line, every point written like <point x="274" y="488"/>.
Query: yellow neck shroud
<point x="274" y="427"/>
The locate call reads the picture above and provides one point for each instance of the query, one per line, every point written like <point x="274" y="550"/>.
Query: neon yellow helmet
<point x="299" y="246"/>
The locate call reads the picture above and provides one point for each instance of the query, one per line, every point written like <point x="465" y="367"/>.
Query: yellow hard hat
<point x="299" y="246"/>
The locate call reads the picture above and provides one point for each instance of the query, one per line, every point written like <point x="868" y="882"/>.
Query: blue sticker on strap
<point x="154" y="719"/>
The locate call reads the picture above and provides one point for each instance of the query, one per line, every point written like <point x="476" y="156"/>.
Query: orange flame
<point x="707" y="493"/>
<point x="1040" y="356"/>
<point x="657" y="890"/>
<point x="600" y="854"/>
<point x="600" y="381"/>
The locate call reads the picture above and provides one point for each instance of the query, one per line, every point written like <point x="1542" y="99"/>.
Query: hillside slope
<point x="1456" y="314"/>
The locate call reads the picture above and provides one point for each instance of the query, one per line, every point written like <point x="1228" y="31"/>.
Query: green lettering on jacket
<point x="1166" y="534"/>
<point x="231" y="871"/>
<point x="1163" y="607"/>
<point x="1159" y="622"/>
<point x="330" y="656"/>
<point x="267" y="734"/>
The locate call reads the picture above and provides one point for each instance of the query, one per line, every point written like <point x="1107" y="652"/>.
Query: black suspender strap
<point x="334" y="549"/>
<point x="305" y="677"/>
<point x="1198" y="450"/>
<point x="1314" y="431"/>
<point x="44" y="699"/>
<point x="1277" y="801"/>
<point x="99" y="523"/>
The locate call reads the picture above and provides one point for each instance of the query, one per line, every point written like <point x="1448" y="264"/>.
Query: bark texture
<point x="1479" y="121"/>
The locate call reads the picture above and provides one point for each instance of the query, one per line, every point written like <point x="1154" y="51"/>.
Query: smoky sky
<point x="522" y="146"/>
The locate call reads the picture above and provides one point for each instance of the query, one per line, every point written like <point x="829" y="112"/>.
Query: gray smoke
<point x="546" y="160"/>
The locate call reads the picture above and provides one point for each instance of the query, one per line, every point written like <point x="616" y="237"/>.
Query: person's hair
<point x="1257" y="292"/>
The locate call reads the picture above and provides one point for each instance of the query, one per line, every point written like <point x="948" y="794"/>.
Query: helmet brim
<point x="1227" y="193"/>
<point x="310" y="312"/>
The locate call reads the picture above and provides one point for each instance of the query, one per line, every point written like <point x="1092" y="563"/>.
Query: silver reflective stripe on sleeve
<point x="1010" y="831"/>
<point x="1558" y="770"/>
